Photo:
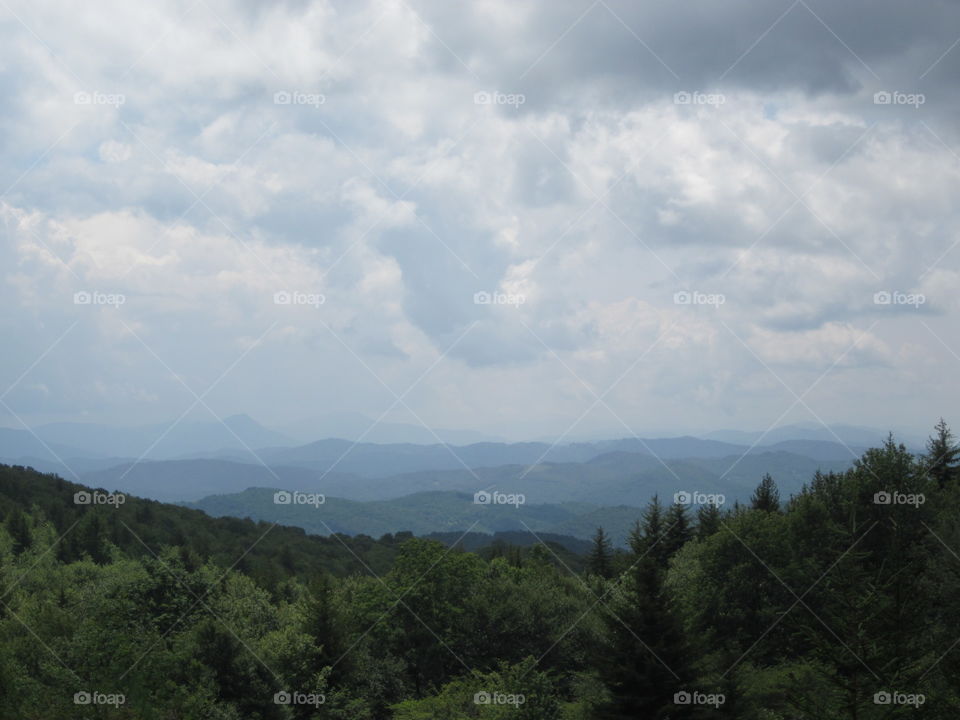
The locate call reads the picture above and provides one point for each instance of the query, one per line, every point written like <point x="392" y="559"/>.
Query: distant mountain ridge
<point x="374" y="460"/>
<point x="229" y="458"/>
<point x="852" y="435"/>
<point x="612" y="478"/>
<point x="427" y="513"/>
<point x="351" y="442"/>
<point x="242" y="440"/>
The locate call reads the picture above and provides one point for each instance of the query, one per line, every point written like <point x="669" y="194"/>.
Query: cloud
<point x="398" y="158"/>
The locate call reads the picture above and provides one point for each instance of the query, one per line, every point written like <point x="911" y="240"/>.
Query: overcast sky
<point x="682" y="213"/>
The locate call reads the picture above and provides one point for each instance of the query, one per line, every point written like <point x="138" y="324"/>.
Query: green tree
<point x="861" y="544"/>
<point x="19" y="529"/>
<point x="644" y="660"/>
<point x="240" y="677"/>
<point x="767" y="496"/>
<point x="600" y="561"/>
<point x="428" y="589"/>
<point x="708" y="520"/>
<point x="677" y="530"/>
<point x="325" y="628"/>
<point x="943" y="455"/>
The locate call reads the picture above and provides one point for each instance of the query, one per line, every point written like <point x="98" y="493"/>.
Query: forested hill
<point x="138" y="527"/>
<point x="841" y="602"/>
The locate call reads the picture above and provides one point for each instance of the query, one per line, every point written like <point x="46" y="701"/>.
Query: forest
<point x="841" y="601"/>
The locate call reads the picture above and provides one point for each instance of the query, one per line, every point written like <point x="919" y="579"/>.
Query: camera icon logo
<point x="482" y="497"/>
<point x="482" y="98"/>
<point x="882" y="698"/>
<point x="82" y="698"/>
<point x="682" y="298"/>
<point x="82" y="298"/>
<point x="282" y="298"/>
<point x="481" y="698"/>
<point x="282" y="698"/>
<point x="682" y="698"/>
<point x="282" y="497"/>
<point x="882" y="298"/>
<point x="82" y="498"/>
<point x="282" y="98"/>
<point x="682" y="98"/>
<point x="882" y="498"/>
<point x="682" y="498"/>
<point x="481" y="298"/>
<point x="882" y="98"/>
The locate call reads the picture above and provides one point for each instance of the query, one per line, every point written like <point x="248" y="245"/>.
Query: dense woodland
<point x="842" y="601"/>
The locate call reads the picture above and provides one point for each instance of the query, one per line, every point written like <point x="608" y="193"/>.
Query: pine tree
<point x="321" y="623"/>
<point x="600" y="559"/>
<point x="677" y="530"/>
<point x="708" y="520"/>
<point x="766" y="497"/>
<point x="19" y="530"/>
<point x="644" y="663"/>
<point x="943" y="455"/>
<point x="648" y="535"/>
<point x="90" y="534"/>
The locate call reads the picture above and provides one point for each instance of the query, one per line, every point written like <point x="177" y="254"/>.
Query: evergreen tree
<point x="90" y="534"/>
<point x="867" y="559"/>
<point x="600" y="561"/>
<point x="943" y="455"/>
<point x="677" y="530"/>
<point x="767" y="496"/>
<point x="644" y="663"/>
<point x="240" y="677"/>
<point x="320" y="622"/>
<point x="648" y="533"/>
<point x="19" y="530"/>
<point x="653" y="518"/>
<point x="708" y="520"/>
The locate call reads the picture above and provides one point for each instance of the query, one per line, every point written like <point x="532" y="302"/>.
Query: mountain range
<point x="232" y="468"/>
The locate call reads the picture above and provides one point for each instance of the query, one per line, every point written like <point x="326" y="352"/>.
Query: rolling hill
<point x="425" y="514"/>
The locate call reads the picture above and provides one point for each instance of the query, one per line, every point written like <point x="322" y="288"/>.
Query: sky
<point x="520" y="218"/>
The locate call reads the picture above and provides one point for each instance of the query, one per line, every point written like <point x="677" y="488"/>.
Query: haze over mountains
<point x="231" y="468"/>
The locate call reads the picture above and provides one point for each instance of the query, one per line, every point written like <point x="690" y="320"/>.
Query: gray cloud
<point x="182" y="181"/>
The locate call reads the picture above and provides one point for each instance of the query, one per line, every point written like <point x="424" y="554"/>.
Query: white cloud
<point x="398" y="198"/>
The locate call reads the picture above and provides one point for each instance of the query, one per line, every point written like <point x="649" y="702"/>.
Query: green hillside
<point x="422" y="514"/>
